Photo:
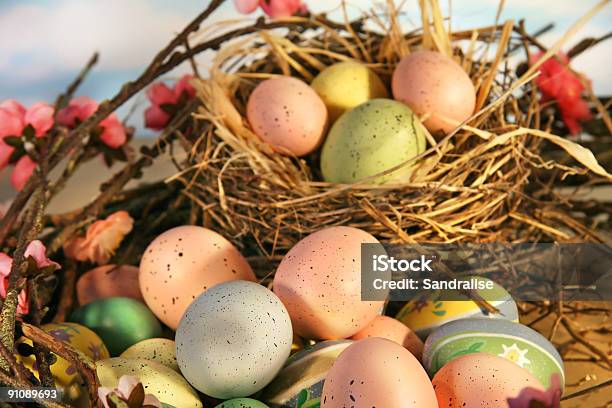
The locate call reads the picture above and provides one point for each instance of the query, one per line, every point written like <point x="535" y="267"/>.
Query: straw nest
<point x="481" y="183"/>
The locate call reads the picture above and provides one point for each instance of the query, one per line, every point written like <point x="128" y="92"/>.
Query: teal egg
<point x="242" y="403"/>
<point x="120" y="322"/>
<point x="369" y="139"/>
<point x="513" y="341"/>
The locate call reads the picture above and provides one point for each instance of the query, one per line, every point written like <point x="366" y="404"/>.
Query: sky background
<point x="44" y="43"/>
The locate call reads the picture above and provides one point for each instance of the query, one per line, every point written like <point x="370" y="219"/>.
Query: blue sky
<point x="45" y="42"/>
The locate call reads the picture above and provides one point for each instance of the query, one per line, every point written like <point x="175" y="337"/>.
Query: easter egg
<point x="301" y="379"/>
<point x="167" y="385"/>
<point x="233" y="339"/>
<point x="288" y="115"/>
<point x="319" y="281"/>
<point x="242" y="403"/>
<point x="120" y="322"/>
<point x="481" y="380"/>
<point x="183" y="262"/>
<point x="108" y="281"/>
<point x="369" y="139"/>
<point x="430" y="310"/>
<point x="159" y="350"/>
<point x="377" y="372"/>
<point x="435" y="86"/>
<point x="513" y="341"/>
<point x="394" y="330"/>
<point x="345" y="85"/>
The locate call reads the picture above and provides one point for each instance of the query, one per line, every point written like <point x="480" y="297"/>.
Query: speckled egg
<point x="182" y="263"/>
<point x="242" y="403"/>
<point x="233" y="339"/>
<point x="377" y="372"/>
<point x="394" y="330"/>
<point x="434" y="85"/>
<point x="165" y="384"/>
<point x="119" y="321"/>
<point x="481" y="380"/>
<point x="345" y="85"/>
<point x="108" y="281"/>
<point x="288" y="115"/>
<point x="300" y="382"/>
<point x="430" y="310"/>
<point x="319" y="281"/>
<point x="369" y="139"/>
<point x="160" y="350"/>
<point x="513" y="341"/>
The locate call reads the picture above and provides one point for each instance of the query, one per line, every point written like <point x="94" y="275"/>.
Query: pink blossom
<point x="113" y="134"/>
<point x="40" y="116"/>
<point x="38" y="251"/>
<point x="160" y="94"/>
<point x="533" y="397"/>
<point x="22" y="172"/>
<point x="125" y="387"/>
<point x="273" y="8"/>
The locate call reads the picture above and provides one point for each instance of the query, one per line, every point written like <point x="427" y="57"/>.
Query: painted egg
<point x="345" y="85"/>
<point x="513" y="341"/>
<point x="319" y="281"/>
<point x="436" y="87"/>
<point x="120" y="322"/>
<point x="394" y="330"/>
<point x="108" y="281"/>
<point x="288" y="115"/>
<point x="65" y="374"/>
<point x="377" y="372"/>
<point x="242" y="403"/>
<point x="233" y="339"/>
<point x="300" y="382"/>
<point x="182" y="263"/>
<point x="369" y="139"/>
<point x="167" y="385"/>
<point x="160" y="350"/>
<point x="429" y="310"/>
<point x="481" y="380"/>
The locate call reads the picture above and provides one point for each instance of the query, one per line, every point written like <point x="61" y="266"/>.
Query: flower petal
<point x="38" y="251"/>
<point x="40" y="116"/>
<point x="22" y="172"/>
<point x="113" y="135"/>
<point x="160" y="94"/>
<point x="246" y="6"/>
<point x="156" y="118"/>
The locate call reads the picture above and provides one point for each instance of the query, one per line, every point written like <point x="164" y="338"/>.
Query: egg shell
<point x="435" y="85"/>
<point x="108" y="281"/>
<point x="513" y="341"/>
<point x="183" y="262"/>
<point x="160" y="350"/>
<point x="302" y="377"/>
<point x="233" y="339"/>
<point x="319" y="281"/>
<point x="288" y="115"/>
<point x="165" y="384"/>
<point x="369" y="139"/>
<point x="394" y="330"/>
<point x="428" y="312"/>
<point x="481" y="380"/>
<point x="119" y="321"/>
<point x="345" y="85"/>
<point x="376" y="372"/>
<point x="242" y="403"/>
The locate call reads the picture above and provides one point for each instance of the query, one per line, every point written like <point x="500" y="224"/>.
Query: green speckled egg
<point x="120" y="322"/>
<point x="369" y="139"/>
<point x="242" y="403"/>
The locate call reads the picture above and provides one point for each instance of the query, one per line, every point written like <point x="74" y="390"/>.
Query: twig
<point x="587" y="390"/>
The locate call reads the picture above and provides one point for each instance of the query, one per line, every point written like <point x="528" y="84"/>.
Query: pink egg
<point x="434" y="85"/>
<point x="481" y="380"/>
<point x="377" y="372"/>
<point x="108" y="281"/>
<point x="319" y="282"/>
<point x="182" y="263"/>
<point x="394" y="330"/>
<point x="287" y="114"/>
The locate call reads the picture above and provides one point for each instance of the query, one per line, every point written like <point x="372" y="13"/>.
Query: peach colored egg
<point x="394" y="330"/>
<point x="183" y="262"/>
<point x="481" y="380"/>
<point x="433" y="84"/>
<point x="108" y="281"/>
<point x="287" y="114"/>
<point x="319" y="282"/>
<point x="377" y="372"/>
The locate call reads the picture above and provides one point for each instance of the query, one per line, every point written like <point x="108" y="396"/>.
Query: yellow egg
<point x="345" y="85"/>
<point x="161" y="351"/>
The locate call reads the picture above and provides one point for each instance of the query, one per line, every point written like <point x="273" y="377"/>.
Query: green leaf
<point x="313" y="403"/>
<point x="439" y="312"/>
<point x="302" y="398"/>
<point x="29" y="132"/>
<point x="13" y="141"/>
